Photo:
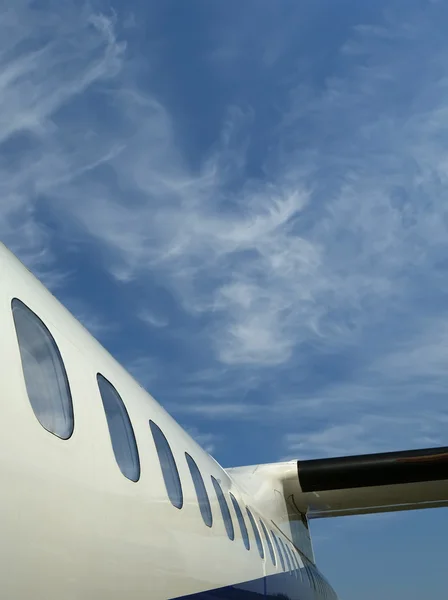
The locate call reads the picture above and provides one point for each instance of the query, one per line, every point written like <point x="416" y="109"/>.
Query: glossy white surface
<point x="73" y="527"/>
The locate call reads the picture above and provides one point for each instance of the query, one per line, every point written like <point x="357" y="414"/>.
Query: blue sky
<point x="247" y="203"/>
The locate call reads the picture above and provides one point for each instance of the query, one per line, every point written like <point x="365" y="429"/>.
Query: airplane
<point x="106" y="496"/>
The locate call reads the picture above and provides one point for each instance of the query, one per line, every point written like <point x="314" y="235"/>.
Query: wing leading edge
<point x="372" y="483"/>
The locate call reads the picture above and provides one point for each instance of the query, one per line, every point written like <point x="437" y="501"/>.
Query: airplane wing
<point x="296" y="491"/>
<point x="372" y="483"/>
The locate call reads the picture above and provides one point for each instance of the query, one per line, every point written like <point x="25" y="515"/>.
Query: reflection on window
<point x="296" y="562"/>
<point x="269" y="543"/>
<point x="168" y="466"/>
<point x="256" y="533"/>
<point x="44" y="372"/>
<point x="309" y="570"/>
<point x="279" y="552"/>
<point x="320" y="583"/>
<point x="239" y="516"/>
<point x="291" y="560"/>
<point x="306" y="575"/>
<point x="224" y="509"/>
<point x="286" y="556"/>
<point x="120" y="430"/>
<point x="201" y="492"/>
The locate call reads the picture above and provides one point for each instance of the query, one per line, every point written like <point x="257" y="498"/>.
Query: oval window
<point x="268" y="540"/>
<point x="120" y="430"/>
<point x="228" y="523"/>
<point x="279" y="552"/>
<point x="285" y="553"/>
<point x="242" y="523"/>
<point x="201" y="492"/>
<point x="43" y="369"/>
<point x="256" y="533"/>
<point x="168" y="466"/>
<point x="291" y="560"/>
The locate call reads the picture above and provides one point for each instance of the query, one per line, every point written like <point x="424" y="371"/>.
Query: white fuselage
<point x="73" y="527"/>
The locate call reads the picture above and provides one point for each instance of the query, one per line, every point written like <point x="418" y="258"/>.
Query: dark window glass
<point x="296" y="562"/>
<point x="168" y="466"/>
<point x="224" y="509"/>
<point x="279" y="552"/>
<point x="320" y="582"/>
<point x="201" y="492"/>
<point x="292" y="561"/>
<point x="269" y="543"/>
<point x="120" y="430"/>
<point x="311" y="577"/>
<point x="288" y="563"/>
<point x="44" y="372"/>
<point x="256" y="533"/>
<point x="239" y="516"/>
<point x="316" y="579"/>
<point x="306" y="575"/>
<point x="325" y="587"/>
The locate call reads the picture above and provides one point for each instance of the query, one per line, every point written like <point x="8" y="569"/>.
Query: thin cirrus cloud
<point x="305" y="249"/>
<point x="152" y="319"/>
<point x="47" y="58"/>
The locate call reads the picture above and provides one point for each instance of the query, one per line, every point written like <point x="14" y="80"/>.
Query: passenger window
<point x="268" y="541"/>
<point x="224" y="509"/>
<point x="168" y="466"/>
<point x="306" y="575"/>
<point x="291" y="559"/>
<point x="45" y="377"/>
<point x="312" y="577"/>
<point x="286" y="556"/>
<point x="321" y="583"/>
<point x="296" y="562"/>
<point x="319" y="579"/>
<point x="279" y="552"/>
<point x="256" y="533"/>
<point x="325" y="588"/>
<point x="201" y="492"/>
<point x="120" y="430"/>
<point x="239" y="516"/>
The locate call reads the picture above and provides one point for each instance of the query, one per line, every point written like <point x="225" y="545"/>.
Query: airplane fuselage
<point x="101" y="497"/>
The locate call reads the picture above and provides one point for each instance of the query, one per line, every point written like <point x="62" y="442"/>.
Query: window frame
<point x="296" y="561"/>
<point x="279" y="551"/>
<point x="319" y="580"/>
<point x="176" y="498"/>
<point x="311" y="577"/>
<point x="126" y="420"/>
<point x="225" y="510"/>
<point x="65" y="400"/>
<point x="201" y="491"/>
<point x="285" y="552"/>
<point x="257" y="536"/>
<point x="241" y="521"/>
<point x="269" y="542"/>
<point x="293" y="562"/>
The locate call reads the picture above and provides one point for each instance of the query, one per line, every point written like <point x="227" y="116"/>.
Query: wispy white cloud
<point x="218" y="411"/>
<point x="269" y="283"/>
<point x="369" y="433"/>
<point x="152" y="319"/>
<point x="47" y="58"/>
<point x="331" y="245"/>
<point x="97" y="325"/>
<point x="208" y="441"/>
